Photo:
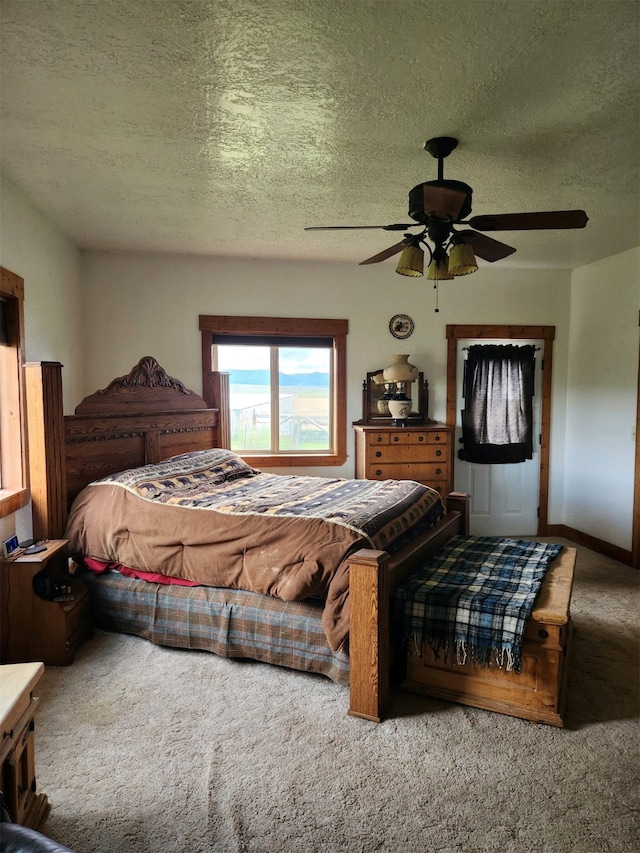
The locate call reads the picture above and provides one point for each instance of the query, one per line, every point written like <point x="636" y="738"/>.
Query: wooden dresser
<point x="423" y="452"/>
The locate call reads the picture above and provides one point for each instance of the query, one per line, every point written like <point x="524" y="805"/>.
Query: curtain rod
<point x="537" y="349"/>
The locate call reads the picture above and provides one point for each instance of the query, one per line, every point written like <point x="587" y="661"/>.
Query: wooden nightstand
<point x="421" y="452"/>
<point x="17" y="750"/>
<point x="33" y="628"/>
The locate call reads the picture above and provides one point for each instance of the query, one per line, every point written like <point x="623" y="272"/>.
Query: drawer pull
<point x="542" y="633"/>
<point x="438" y="453"/>
<point x="396" y="438"/>
<point x="378" y="453"/>
<point x="421" y="438"/>
<point x="378" y="473"/>
<point x="379" y="439"/>
<point x="438" y="470"/>
<point x="436" y="438"/>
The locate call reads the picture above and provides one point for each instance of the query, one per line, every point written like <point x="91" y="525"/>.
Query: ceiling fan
<point x="439" y="207"/>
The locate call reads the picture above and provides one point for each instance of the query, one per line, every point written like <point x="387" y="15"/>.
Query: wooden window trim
<point x="285" y="327"/>
<point x="14" y="493"/>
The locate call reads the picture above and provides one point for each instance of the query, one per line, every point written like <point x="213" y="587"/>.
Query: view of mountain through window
<point x="279" y="397"/>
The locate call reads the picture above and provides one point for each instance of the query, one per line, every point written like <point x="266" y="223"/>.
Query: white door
<point x="504" y="498"/>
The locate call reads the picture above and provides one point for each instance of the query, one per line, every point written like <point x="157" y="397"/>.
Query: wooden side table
<point x="17" y="748"/>
<point x="33" y="628"/>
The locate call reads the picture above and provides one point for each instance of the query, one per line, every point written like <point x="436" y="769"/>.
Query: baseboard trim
<point x="597" y="545"/>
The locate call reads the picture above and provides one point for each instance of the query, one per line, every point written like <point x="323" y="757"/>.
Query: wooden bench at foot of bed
<point x="538" y="692"/>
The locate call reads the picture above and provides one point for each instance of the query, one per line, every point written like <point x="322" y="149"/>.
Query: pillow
<point x="216" y="466"/>
<point x="224" y="463"/>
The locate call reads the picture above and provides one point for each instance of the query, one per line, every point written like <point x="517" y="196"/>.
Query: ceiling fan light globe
<point x="462" y="260"/>
<point x="411" y="262"/>
<point x="439" y="271"/>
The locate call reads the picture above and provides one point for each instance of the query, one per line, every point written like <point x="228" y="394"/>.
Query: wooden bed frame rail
<point x="372" y="577"/>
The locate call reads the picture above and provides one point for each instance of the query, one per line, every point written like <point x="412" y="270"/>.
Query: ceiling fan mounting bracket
<point x="440" y="146"/>
<point x="417" y="199"/>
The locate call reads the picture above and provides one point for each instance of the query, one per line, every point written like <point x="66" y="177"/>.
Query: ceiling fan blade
<point x="443" y="202"/>
<point x="486" y="247"/>
<point x="530" y="221"/>
<point x="398" y="226"/>
<point x="386" y="253"/>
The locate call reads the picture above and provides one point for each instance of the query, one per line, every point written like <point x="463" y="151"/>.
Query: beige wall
<point x="149" y="305"/>
<point x="33" y="247"/>
<point x="99" y="313"/>
<point x="599" y="455"/>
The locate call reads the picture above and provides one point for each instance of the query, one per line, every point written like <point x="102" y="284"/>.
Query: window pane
<point x="303" y="404"/>
<point x="250" y="395"/>
<point x="304" y="399"/>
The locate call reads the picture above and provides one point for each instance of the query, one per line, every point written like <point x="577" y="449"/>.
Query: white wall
<point x="35" y="249"/>
<point x="99" y="313"/>
<point x="149" y="305"/>
<point x="601" y="403"/>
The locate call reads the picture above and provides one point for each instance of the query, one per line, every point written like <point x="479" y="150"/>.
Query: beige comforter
<point x="226" y="525"/>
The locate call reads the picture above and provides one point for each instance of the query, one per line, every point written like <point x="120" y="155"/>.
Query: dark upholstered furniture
<point x="20" y="839"/>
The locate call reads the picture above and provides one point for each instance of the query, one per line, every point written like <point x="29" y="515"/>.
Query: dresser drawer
<point x="424" y="472"/>
<point x="376" y="438"/>
<point x="413" y="437"/>
<point x="408" y="453"/>
<point x="440" y="486"/>
<point x="77" y="612"/>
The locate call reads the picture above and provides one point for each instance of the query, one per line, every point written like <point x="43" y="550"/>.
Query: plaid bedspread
<point x="472" y="599"/>
<point x="231" y="623"/>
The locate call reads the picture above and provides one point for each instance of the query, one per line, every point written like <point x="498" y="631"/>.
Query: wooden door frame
<point x="635" y="536"/>
<point x="547" y="335"/>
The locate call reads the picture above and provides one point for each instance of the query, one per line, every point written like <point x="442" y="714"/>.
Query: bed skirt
<point x="230" y="623"/>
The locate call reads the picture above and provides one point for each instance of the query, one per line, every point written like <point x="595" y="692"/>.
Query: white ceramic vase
<point x="400" y="409"/>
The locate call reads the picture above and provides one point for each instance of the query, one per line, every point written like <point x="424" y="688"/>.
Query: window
<point x="286" y="386"/>
<point x="13" y="452"/>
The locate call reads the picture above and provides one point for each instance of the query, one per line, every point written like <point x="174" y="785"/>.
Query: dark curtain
<point x="497" y="420"/>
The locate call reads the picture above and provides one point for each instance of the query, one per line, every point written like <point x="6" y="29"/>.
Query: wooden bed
<point x="147" y="416"/>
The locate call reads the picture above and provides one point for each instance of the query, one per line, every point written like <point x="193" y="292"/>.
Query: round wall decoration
<point x="401" y="326"/>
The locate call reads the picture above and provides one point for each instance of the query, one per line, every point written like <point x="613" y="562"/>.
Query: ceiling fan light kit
<point x="462" y="261"/>
<point x="439" y="271"/>
<point x="440" y="205"/>
<point x="411" y="261"/>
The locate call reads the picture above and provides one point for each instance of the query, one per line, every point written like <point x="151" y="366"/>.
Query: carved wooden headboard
<point x="140" y="418"/>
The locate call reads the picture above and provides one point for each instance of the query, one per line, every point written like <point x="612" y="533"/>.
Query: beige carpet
<point x="149" y="750"/>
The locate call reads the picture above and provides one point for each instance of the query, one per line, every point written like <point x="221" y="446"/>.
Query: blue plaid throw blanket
<point x="472" y="599"/>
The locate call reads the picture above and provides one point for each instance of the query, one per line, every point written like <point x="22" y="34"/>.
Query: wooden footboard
<point x="372" y="577"/>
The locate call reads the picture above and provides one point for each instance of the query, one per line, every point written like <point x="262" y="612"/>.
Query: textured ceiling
<point x="225" y="128"/>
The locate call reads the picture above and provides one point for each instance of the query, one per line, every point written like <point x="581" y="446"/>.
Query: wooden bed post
<point x="369" y="642"/>
<point x="372" y="576"/>
<point x="459" y="502"/>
